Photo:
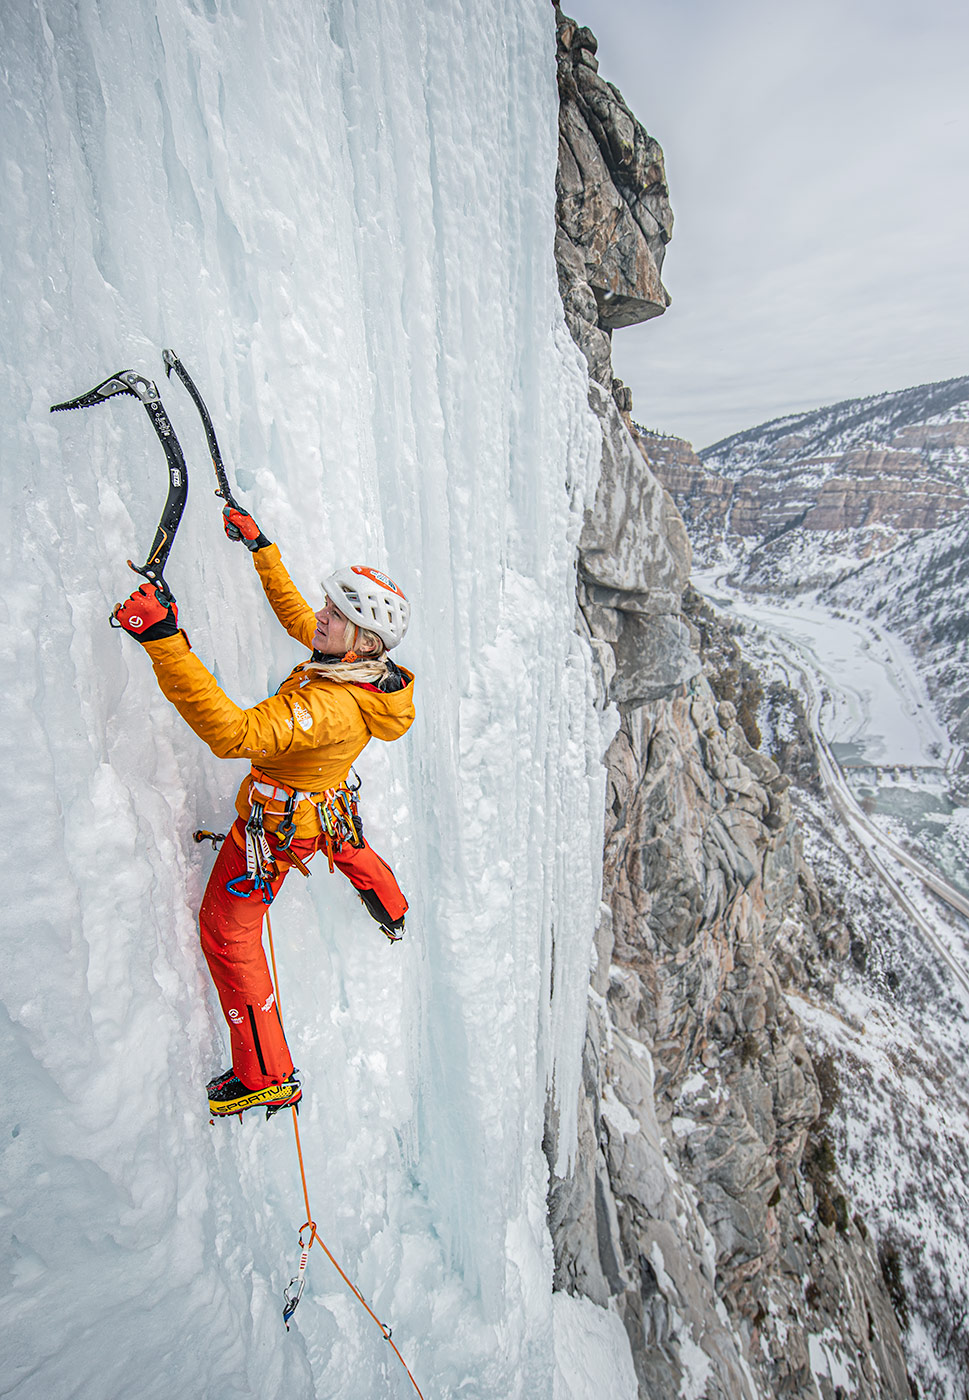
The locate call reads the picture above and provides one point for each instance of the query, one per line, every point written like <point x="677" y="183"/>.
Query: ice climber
<point x="296" y="800"/>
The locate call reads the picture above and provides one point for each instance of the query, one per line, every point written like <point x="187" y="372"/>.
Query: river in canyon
<point x="873" y="710"/>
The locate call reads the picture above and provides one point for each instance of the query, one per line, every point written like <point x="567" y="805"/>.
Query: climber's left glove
<point x="148" y="614"/>
<point x="239" y="525"/>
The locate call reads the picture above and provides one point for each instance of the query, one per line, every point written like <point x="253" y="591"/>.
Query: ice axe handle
<point x="223" y="490"/>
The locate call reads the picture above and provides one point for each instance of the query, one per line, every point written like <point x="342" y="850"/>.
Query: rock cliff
<point x="700" y="1203"/>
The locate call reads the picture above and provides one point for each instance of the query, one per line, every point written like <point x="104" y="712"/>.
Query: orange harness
<point x="336" y="808"/>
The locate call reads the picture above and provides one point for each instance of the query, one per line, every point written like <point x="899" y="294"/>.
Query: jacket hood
<point x="387" y="714"/>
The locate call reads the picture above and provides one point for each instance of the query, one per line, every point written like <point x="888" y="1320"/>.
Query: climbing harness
<point x="294" y="1289"/>
<point x="337" y="809"/>
<point x="339" y="817"/>
<point x="340" y="822"/>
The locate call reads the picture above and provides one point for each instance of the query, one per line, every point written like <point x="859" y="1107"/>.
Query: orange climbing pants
<point x="231" y="933"/>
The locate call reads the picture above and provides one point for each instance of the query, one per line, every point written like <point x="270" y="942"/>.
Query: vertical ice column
<point x="341" y="217"/>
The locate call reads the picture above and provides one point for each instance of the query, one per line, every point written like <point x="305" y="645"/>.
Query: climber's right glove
<point x="149" y="614"/>
<point x="239" y="525"/>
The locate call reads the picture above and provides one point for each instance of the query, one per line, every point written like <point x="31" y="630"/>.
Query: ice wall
<point x="341" y="216"/>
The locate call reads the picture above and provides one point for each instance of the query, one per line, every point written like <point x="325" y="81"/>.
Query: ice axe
<point x="129" y="381"/>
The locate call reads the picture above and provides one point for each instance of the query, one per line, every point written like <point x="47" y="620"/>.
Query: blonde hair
<point x="363" y="670"/>
<point x="366" y="672"/>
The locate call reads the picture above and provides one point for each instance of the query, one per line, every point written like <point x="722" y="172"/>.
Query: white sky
<point x="818" y="164"/>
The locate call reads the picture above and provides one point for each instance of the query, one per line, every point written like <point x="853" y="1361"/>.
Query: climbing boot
<point x="228" y="1095"/>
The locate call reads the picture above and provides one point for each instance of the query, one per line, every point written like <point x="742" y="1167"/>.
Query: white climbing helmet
<point x="370" y="599"/>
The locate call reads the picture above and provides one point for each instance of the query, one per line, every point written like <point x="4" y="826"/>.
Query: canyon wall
<point x="700" y="1204"/>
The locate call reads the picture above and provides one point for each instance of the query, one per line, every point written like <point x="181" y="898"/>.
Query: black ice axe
<point x="223" y="490"/>
<point x="129" y="381"/>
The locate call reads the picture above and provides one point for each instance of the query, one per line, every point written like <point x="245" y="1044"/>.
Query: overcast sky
<point x="818" y="162"/>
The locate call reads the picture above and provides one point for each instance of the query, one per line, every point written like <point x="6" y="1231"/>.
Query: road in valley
<point x="879" y="848"/>
<point x="819" y="688"/>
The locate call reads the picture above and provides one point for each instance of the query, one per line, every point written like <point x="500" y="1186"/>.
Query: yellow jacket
<point x="306" y="735"/>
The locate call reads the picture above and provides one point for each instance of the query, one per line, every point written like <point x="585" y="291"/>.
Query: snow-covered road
<point x="873" y="696"/>
<point x="861" y="689"/>
<point x="882" y="852"/>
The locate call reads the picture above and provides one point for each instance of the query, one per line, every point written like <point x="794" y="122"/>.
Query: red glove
<point x="239" y="525"/>
<point x="148" y="614"/>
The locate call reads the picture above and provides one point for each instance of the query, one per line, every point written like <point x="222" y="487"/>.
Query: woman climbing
<point x="296" y="800"/>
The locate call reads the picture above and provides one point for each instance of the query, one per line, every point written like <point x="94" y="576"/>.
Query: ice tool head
<point x="126" y="381"/>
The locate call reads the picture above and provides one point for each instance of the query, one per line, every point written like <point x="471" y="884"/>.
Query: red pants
<point x="231" y="934"/>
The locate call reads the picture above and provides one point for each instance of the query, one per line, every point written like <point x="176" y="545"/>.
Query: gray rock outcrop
<point x="614" y="217"/>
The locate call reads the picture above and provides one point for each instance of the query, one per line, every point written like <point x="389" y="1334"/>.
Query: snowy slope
<point x="921" y="589"/>
<point x="340" y="216"/>
<point x="802" y="501"/>
<point x="882" y="984"/>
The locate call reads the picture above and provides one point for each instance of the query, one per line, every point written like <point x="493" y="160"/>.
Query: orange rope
<point x="310" y="1224"/>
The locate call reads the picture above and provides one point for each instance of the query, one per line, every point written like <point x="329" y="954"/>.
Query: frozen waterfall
<point x="340" y="215"/>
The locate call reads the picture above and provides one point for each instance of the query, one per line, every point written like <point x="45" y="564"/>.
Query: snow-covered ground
<point x="874" y="711"/>
<point x="876" y="707"/>
<point x="341" y="218"/>
<point x="892" y="1030"/>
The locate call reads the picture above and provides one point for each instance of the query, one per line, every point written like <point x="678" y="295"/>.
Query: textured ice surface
<point x="340" y="216"/>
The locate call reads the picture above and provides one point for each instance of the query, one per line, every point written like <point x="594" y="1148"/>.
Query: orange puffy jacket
<point x="306" y="735"/>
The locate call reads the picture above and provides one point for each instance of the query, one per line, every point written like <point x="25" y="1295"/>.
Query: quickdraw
<point x="340" y="819"/>
<point x="294" y="1289"/>
<point x="261" y="866"/>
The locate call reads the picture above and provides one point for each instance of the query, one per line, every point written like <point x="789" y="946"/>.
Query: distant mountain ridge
<point x="878" y="418"/>
<point x="806" y="499"/>
<point x="867" y="499"/>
